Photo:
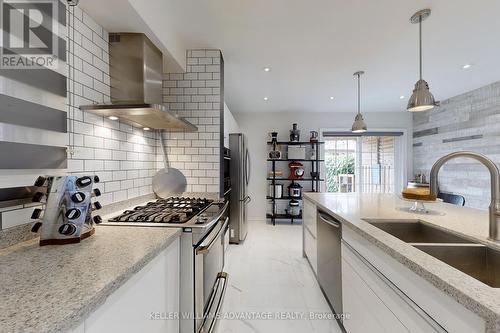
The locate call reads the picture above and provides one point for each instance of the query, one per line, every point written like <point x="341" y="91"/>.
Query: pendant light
<point x="359" y="125"/>
<point x="421" y="99"/>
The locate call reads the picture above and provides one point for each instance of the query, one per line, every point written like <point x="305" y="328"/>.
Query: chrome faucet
<point x="495" y="186"/>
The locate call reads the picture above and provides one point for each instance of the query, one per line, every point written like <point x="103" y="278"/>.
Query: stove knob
<point x="36" y="227"/>
<point x="73" y="213"/>
<point x="40" y="181"/>
<point x="97" y="205"/>
<point x="97" y="192"/>
<point x="97" y="219"/>
<point x="96" y="179"/>
<point x="84" y="181"/>
<point x="67" y="229"/>
<point x="37" y="197"/>
<point x="78" y="197"/>
<point x="36" y="213"/>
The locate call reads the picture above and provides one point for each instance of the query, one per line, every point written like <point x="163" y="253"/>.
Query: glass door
<point x="369" y="163"/>
<point x="340" y="164"/>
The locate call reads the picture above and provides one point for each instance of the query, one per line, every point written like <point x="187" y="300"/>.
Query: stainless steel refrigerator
<point x="240" y="177"/>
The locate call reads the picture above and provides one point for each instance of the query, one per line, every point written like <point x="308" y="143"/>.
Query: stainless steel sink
<point x="476" y="260"/>
<point x="417" y="232"/>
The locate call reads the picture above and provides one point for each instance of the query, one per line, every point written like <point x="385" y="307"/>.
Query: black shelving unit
<point x="315" y="182"/>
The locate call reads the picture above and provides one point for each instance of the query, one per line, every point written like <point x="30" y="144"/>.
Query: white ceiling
<point x="314" y="46"/>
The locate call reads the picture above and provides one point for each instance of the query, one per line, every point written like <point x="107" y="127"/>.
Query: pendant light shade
<point x="421" y="98"/>
<point x="359" y="125"/>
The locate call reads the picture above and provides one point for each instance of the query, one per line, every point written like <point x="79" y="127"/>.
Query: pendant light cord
<point x="359" y="93"/>
<point x="420" y="42"/>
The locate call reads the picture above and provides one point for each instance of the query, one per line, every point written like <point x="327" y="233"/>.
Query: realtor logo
<point x="29" y="38"/>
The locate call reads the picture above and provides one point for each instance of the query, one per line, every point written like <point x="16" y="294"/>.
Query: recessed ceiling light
<point x="267" y="69"/>
<point x="266" y="98"/>
<point x="146" y="128"/>
<point x="401" y="97"/>
<point x="466" y="66"/>
<point x="331" y="98"/>
<point x="112" y="118"/>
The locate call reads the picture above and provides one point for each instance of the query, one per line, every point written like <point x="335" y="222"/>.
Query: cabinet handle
<point x="328" y="220"/>
<point x="437" y="327"/>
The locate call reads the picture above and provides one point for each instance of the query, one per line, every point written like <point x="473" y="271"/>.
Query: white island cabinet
<point x="309" y="233"/>
<point x="148" y="302"/>
<point x="382" y="295"/>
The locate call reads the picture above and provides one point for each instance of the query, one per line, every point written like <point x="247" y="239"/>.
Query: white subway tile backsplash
<point x="124" y="157"/>
<point x="102" y="154"/>
<point x="111" y="186"/>
<point x="88" y="21"/>
<point x="213" y="53"/>
<point x="93" y="141"/>
<point x="119" y="196"/>
<point x="119" y="175"/>
<point x="83" y="153"/>
<point x="198" y="53"/>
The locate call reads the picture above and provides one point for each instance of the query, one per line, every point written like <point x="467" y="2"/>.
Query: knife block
<point x="67" y="214"/>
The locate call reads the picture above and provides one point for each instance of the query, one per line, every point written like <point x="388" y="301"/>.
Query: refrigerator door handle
<point x="247" y="167"/>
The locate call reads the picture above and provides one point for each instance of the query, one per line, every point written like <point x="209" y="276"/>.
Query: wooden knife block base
<point x="67" y="240"/>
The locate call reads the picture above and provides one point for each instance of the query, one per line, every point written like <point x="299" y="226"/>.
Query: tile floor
<point x="269" y="277"/>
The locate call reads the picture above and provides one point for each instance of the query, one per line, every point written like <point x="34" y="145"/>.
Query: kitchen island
<point x="57" y="288"/>
<point x="446" y="298"/>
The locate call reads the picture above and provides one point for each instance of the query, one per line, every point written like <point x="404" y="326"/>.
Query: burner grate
<point x="172" y="210"/>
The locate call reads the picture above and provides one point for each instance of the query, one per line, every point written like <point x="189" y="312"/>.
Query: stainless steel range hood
<point x="136" y="70"/>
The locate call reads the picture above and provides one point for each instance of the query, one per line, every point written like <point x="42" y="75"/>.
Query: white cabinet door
<point x="419" y="305"/>
<point x="309" y="233"/>
<point x="391" y="301"/>
<point x="146" y="302"/>
<point x="367" y="313"/>
<point x="311" y="249"/>
<point x="309" y="216"/>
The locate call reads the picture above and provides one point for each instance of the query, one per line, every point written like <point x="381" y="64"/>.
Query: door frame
<point x="401" y="150"/>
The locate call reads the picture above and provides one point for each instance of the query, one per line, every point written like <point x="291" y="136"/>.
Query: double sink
<point x="474" y="259"/>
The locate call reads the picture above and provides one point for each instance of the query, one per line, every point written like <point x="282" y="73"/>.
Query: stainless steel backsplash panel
<point x="29" y="156"/>
<point x="20" y="112"/>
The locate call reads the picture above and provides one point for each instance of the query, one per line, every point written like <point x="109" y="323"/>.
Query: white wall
<point x="230" y="125"/>
<point x="257" y="126"/>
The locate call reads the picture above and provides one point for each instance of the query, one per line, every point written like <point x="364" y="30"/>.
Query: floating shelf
<point x="295" y="180"/>
<point x="283" y="198"/>
<point x="294" y="160"/>
<point x="299" y="143"/>
<point x="283" y="216"/>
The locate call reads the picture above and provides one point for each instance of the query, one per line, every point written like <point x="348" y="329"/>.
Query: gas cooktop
<point x="172" y="211"/>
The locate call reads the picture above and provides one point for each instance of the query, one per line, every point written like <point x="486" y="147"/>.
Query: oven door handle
<point x="207" y="244"/>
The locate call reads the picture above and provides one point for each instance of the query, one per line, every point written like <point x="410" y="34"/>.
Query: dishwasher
<point x="330" y="259"/>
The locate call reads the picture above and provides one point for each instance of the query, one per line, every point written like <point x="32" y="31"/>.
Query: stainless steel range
<point x="203" y="280"/>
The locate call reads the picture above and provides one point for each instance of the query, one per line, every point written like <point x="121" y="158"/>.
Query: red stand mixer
<point x="296" y="170"/>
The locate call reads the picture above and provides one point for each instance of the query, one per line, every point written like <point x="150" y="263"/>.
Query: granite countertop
<point x="353" y="209"/>
<point x="54" y="288"/>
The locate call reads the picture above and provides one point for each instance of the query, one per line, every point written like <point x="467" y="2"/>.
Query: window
<point x="370" y="163"/>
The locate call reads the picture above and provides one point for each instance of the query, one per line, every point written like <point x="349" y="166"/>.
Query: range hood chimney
<point x="136" y="70"/>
